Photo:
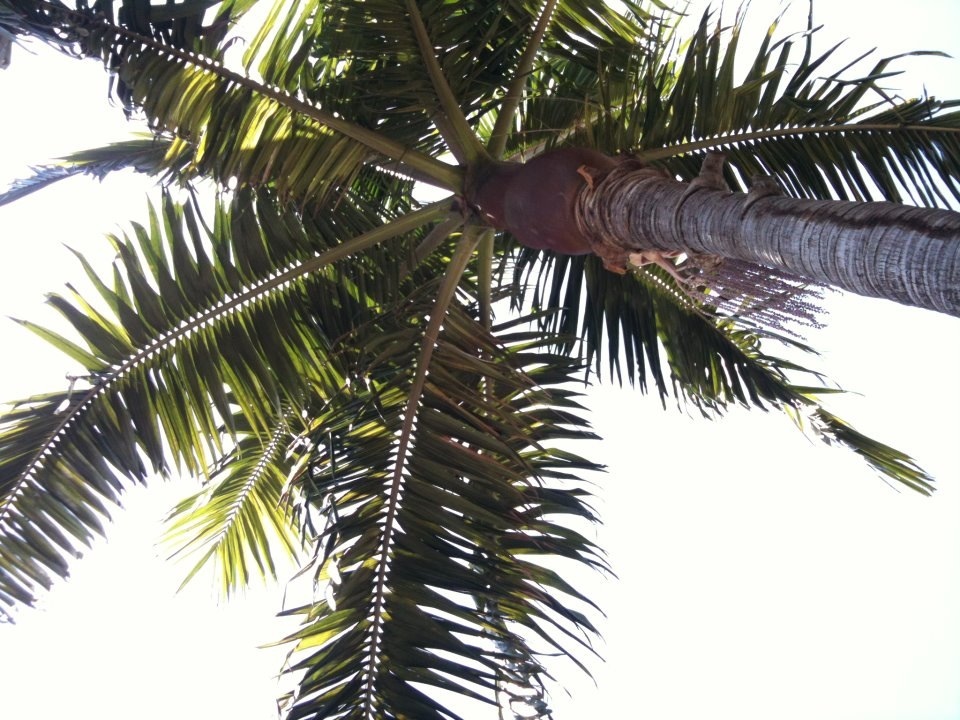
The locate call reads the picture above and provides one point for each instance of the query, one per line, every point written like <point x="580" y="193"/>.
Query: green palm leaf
<point x="170" y="310"/>
<point x="663" y="341"/>
<point x="433" y="578"/>
<point x="241" y="519"/>
<point x="180" y="25"/>
<point x="142" y="154"/>
<point x="237" y="127"/>
<point x="840" y="136"/>
<point x="365" y="61"/>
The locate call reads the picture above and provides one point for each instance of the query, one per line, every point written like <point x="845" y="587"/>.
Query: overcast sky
<point x="760" y="575"/>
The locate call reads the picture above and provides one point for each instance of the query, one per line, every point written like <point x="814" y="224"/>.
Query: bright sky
<point x="760" y="575"/>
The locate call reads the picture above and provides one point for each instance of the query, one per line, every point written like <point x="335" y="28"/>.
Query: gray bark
<point x="906" y="254"/>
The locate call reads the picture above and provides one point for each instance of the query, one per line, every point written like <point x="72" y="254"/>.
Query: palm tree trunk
<point x="906" y="254"/>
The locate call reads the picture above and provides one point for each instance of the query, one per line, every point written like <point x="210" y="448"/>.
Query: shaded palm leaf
<point x="178" y="24"/>
<point x="663" y="340"/>
<point x="433" y="562"/>
<point x="143" y="154"/>
<point x="841" y="136"/>
<point x="240" y="520"/>
<point x="238" y="127"/>
<point x="174" y="25"/>
<point x="363" y="59"/>
<point x="192" y="315"/>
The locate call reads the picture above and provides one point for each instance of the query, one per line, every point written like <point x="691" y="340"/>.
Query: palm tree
<point x="322" y="348"/>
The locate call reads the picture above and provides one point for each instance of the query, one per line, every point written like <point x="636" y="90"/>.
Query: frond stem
<point x="430" y="243"/>
<point x="441" y="174"/>
<point x="454" y="127"/>
<point x="511" y="101"/>
<point x="746" y="137"/>
<point x="445" y="295"/>
<point x="485" y="277"/>
<point x="408" y="222"/>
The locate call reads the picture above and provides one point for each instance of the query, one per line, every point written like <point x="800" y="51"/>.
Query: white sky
<point x="760" y="575"/>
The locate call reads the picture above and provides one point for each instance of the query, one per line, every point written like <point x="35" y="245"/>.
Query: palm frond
<point x="179" y="25"/>
<point x="362" y="59"/>
<point x="142" y="154"/>
<point x="323" y="351"/>
<point x="652" y="334"/>
<point x="382" y="82"/>
<point x="843" y="136"/>
<point x="240" y="523"/>
<point x="238" y="127"/>
<point x="198" y="324"/>
<point x="438" y="583"/>
<point x="578" y="73"/>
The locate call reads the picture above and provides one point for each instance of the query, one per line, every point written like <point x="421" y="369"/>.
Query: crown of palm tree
<point x="326" y="352"/>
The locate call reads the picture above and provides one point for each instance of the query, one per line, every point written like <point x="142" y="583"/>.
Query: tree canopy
<point x="323" y="348"/>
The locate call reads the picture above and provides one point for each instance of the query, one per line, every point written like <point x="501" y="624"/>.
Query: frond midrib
<point x="276" y="285"/>
<point x="445" y="296"/>
<point x="735" y="138"/>
<point x="446" y="176"/>
<point x="256" y="475"/>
